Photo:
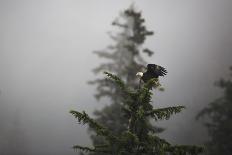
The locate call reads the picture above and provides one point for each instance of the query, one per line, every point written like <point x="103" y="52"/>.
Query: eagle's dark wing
<point x="156" y="70"/>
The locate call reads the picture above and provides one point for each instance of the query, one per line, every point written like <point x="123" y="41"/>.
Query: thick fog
<point x="46" y="60"/>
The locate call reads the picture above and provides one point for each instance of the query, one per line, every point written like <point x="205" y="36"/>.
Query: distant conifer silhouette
<point x="219" y="120"/>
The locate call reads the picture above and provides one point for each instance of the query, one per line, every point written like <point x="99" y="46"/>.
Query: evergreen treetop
<point x="139" y="138"/>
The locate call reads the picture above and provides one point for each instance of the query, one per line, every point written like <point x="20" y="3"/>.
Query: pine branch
<point x="82" y="148"/>
<point x="117" y="80"/>
<point x="101" y="146"/>
<point x="88" y="149"/>
<point x="159" y="141"/>
<point x="149" y="52"/>
<point x="213" y="107"/>
<point x="183" y="149"/>
<point x="164" y="113"/>
<point x="115" y="23"/>
<point x="176" y="149"/>
<point x="85" y="119"/>
<point x="105" y="54"/>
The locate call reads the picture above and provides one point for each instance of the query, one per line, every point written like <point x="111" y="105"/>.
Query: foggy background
<point x="46" y="60"/>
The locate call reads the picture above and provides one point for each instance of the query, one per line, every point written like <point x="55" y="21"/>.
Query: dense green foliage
<point x="125" y="59"/>
<point x="139" y="138"/>
<point x="219" y="120"/>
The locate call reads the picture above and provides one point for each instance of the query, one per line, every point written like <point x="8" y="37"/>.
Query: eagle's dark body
<point x="153" y="71"/>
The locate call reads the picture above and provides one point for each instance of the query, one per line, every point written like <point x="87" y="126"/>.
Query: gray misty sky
<point x="46" y="59"/>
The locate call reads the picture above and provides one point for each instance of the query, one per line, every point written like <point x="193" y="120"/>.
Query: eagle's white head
<point x="139" y="74"/>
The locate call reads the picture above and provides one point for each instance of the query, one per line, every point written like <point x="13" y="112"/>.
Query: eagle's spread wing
<point x="156" y="70"/>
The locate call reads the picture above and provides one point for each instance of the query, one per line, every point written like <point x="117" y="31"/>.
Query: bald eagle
<point x="153" y="71"/>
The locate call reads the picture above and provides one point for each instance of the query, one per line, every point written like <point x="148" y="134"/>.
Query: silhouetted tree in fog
<point x="125" y="60"/>
<point x="219" y="120"/>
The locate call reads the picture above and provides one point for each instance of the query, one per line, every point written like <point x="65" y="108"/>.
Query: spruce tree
<point x="219" y="120"/>
<point x="139" y="137"/>
<point x="125" y="60"/>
